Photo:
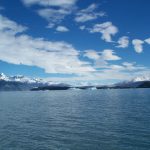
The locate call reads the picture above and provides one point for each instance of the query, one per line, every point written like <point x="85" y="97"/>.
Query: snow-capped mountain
<point x="142" y="78"/>
<point x="20" y="78"/>
<point x="3" y="77"/>
<point x="19" y="82"/>
<point x="133" y="83"/>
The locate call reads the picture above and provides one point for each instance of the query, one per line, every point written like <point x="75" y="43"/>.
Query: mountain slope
<point x="21" y="83"/>
<point x="138" y="82"/>
<point x="15" y="83"/>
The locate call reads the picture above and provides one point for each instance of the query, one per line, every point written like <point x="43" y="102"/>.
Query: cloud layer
<point x="60" y="3"/>
<point x="53" y="57"/>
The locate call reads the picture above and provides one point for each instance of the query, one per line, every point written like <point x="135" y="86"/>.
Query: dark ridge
<point x="50" y="88"/>
<point x="145" y="84"/>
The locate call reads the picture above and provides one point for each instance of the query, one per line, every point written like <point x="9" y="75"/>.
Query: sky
<point x="102" y="41"/>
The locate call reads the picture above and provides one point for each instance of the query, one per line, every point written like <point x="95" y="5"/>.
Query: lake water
<point x="75" y="120"/>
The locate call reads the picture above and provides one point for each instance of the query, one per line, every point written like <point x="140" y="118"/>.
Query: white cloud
<point x="106" y="54"/>
<point x="147" y="41"/>
<point x="109" y="54"/>
<point x="106" y="71"/>
<point x="129" y="66"/>
<point x="107" y="30"/>
<point x="88" y="14"/>
<point x="16" y="47"/>
<point x="126" y="66"/>
<point x="116" y="67"/>
<point x="54" y="11"/>
<point x="138" y="45"/>
<point x="123" y="42"/>
<point x="60" y="3"/>
<point x="92" y="54"/>
<point x="53" y="57"/>
<point x="133" y="66"/>
<point x="62" y="29"/>
<point x="101" y="58"/>
<point x="53" y="16"/>
<point x="10" y="26"/>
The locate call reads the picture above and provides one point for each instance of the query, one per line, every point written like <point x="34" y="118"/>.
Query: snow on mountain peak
<point x="143" y="78"/>
<point x="19" y="78"/>
<point x="24" y="79"/>
<point x="3" y="76"/>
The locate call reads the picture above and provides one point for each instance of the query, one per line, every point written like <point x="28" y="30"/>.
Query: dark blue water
<point x="75" y="120"/>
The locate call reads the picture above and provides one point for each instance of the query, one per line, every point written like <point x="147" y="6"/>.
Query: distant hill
<point x="145" y="84"/>
<point x="22" y="83"/>
<point x="19" y="83"/>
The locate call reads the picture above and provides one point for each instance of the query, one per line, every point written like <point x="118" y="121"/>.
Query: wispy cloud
<point x="89" y="14"/>
<point x="107" y="29"/>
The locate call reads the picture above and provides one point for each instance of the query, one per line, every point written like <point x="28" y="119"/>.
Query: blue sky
<point x="75" y="40"/>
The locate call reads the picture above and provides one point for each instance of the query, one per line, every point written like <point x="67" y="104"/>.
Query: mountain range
<point x="22" y="83"/>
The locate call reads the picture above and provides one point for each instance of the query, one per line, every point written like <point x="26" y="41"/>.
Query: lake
<point x="75" y="120"/>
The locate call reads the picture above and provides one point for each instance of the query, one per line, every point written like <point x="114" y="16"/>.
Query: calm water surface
<point x="75" y="120"/>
